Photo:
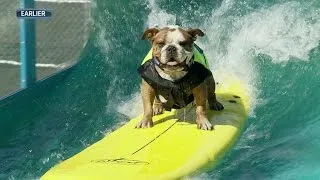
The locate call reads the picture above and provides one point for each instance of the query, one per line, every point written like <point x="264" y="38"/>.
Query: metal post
<point x="27" y="47"/>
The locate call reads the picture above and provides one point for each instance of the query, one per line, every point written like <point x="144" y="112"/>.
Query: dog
<point x="173" y="77"/>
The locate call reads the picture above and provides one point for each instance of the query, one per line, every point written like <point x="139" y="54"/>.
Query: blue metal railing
<point x="27" y="47"/>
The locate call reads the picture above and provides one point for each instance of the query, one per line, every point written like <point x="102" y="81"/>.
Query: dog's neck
<point x="171" y="76"/>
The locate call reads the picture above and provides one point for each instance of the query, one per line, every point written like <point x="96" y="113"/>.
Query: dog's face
<point x="172" y="46"/>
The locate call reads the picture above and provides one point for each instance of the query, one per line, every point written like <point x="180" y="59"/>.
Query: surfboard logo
<point x="121" y="161"/>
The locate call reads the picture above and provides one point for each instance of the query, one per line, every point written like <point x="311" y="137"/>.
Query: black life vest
<point x="178" y="94"/>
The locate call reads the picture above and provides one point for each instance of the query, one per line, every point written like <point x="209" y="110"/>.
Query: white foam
<point x="158" y="17"/>
<point x="281" y="31"/>
<point x="133" y="107"/>
<point x="104" y="40"/>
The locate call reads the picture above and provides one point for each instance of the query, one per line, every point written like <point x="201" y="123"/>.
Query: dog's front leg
<point x="148" y="95"/>
<point x="200" y="96"/>
<point x="214" y="104"/>
<point x="157" y="106"/>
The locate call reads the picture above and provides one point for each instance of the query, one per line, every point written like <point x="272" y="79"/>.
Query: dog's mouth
<point x="172" y="62"/>
<point x="173" y="65"/>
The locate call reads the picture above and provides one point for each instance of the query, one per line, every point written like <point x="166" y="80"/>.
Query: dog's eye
<point x="160" y="45"/>
<point x="183" y="43"/>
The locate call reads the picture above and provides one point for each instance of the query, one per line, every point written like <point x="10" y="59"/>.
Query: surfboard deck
<point x="172" y="149"/>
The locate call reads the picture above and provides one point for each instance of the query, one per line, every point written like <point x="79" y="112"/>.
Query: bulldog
<point x="176" y="74"/>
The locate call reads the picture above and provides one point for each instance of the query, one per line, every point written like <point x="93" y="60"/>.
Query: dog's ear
<point x="149" y="33"/>
<point x="195" y="32"/>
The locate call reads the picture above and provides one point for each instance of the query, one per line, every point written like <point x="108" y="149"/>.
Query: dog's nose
<point x="171" y="49"/>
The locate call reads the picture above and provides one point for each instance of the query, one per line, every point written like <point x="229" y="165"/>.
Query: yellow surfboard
<point x="172" y="149"/>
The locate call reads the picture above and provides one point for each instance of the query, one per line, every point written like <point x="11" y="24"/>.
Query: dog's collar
<point x="155" y="61"/>
<point x="185" y="66"/>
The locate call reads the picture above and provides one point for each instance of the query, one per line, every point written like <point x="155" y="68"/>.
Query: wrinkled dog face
<point x="172" y="46"/>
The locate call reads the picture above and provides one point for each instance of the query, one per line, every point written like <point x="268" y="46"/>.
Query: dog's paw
<point x="157" y="109"/>
<point x="216" y="105"/>
<point x="204" y="124"/>
<point x="144" y="123"/>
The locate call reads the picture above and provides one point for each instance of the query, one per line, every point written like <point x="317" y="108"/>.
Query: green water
<point x="272" y="45"/>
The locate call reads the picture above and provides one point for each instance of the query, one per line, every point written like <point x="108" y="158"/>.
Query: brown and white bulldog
<point x="172" y="63"/>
